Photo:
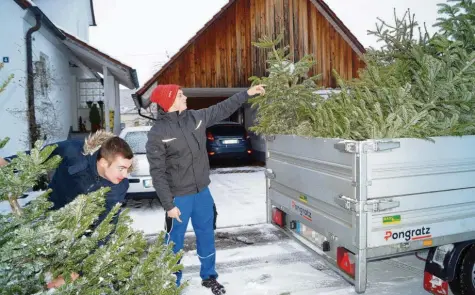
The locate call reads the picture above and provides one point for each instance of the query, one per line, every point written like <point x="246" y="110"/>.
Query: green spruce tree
<point x="39" y="246"/>
<point x="289" y="91"/>
<point x="457" y="22"/>
<point x="415" y="85"/>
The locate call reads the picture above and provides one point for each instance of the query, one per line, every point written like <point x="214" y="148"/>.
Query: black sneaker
<point x="215" y="287"/>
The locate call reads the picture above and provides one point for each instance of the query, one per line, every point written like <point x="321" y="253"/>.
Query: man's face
<point x="117" y="170"/>
<point x="180" y="101"/>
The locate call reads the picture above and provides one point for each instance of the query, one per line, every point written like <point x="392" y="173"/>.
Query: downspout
<point x="32" y="127"/>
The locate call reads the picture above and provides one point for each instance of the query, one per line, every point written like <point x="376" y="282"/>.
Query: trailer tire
<point x="455" y="283"/>
<point x="464" y="281"/>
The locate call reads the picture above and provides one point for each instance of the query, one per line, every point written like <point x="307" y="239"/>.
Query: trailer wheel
<point x="464" y="281"/>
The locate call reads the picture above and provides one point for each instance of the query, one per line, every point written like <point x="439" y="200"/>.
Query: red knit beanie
<point x="164" y="95"/>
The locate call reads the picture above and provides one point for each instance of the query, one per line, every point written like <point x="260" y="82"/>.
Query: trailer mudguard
<point x="446" y="272"/>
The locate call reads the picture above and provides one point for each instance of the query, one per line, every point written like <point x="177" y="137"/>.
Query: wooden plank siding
<point x="223" y="56"/>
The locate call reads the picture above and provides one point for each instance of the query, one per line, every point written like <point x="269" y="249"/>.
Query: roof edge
<point x="23" y="3"/>
<point x="321" y="6"/>
<point x="147" y="84"/>
<point x="338" y="24"/>
<point x="132" y="71"/>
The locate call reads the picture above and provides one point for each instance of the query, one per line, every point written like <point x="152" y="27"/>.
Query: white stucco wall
<point x="58" y="116"/>
<point x="12" y="46"/>
<point x="60" y="90"/>
<point x="70" y="15"/>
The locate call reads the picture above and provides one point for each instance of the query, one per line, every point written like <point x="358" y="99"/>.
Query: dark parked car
<point x="228" y="140"/>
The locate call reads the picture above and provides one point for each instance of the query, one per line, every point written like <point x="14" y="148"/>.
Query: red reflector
<point x="278" y="217"/>
<point x="435" y="285"/>
<point x="344" y="261"/>
<point x="211" y="153"/>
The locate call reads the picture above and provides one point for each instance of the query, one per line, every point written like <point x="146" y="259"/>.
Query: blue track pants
<point x="200" y="208"/>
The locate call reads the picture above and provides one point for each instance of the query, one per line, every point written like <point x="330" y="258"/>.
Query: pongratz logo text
<point x="410" y="234"/>
<point x="305" y="213"/>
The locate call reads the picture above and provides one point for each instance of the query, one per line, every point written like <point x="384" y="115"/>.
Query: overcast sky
<point x="143" y="33"/>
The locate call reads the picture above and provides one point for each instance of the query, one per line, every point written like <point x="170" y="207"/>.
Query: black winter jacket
<point x="176" y="149"/>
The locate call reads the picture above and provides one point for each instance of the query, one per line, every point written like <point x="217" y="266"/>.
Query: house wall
<point x="53" y="103"/>
<point x="54" y="91"/>
<point x="70" y="15"/>
<point x="222" y="56"/>
<point x="13" y="98"/>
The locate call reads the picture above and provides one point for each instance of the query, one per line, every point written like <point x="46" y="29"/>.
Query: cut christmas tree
<point x="415" y="85"/>
<point x="66" y="250"/>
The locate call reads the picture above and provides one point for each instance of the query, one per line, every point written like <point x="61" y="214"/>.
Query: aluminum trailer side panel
<point x="434" y="184"/>
<point x="376" y="198"/>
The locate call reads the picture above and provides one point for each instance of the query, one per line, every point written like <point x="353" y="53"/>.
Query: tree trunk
<point x="16" y="209"/>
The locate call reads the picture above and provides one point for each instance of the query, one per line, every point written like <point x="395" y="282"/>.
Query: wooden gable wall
<point x="223" y="56"/>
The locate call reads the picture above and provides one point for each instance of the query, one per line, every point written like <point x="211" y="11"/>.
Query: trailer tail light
<point x="345" y="260"/>
<point x="434" y="285"/>
<point x="278" y="217"/>
<point x="249" y="152"/>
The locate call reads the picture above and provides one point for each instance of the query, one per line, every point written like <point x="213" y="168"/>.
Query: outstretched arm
<point x="226" y="108"/>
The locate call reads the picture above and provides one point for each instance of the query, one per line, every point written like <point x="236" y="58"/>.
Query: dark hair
<point x="114" y="147"/>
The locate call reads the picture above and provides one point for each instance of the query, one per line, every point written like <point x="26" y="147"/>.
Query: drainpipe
<point x="31" y="116"/>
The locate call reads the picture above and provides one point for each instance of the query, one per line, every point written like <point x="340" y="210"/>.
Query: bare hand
<point x="59" y="281"/>
<point x="258" y="89"/>
<point x="3" y="162"/>
<point x="174" y="213"/>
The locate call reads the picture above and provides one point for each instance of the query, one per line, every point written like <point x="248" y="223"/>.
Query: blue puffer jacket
<point x="77" y="174"/>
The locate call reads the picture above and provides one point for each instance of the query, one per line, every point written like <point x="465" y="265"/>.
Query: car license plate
<point x="147" y="183"/>
<point x="230" y="141"/>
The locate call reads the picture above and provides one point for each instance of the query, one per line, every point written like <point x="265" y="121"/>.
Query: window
<point x="137" y="141"/>
<point x="90" y="90"/>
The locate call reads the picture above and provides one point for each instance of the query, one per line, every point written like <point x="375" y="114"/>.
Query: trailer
<point x="358" y="201"/>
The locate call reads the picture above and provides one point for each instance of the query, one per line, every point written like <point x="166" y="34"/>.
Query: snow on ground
<point x="5" y="206"/>
<point x="240" y="200"/>
<point x="284" y="267"/>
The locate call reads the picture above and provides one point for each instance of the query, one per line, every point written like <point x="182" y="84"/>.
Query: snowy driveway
<point x="255" y="258"/>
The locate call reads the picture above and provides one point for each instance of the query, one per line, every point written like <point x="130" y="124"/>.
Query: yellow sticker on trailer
<point x="395" y="219"/>
<point x="303" y="198"/>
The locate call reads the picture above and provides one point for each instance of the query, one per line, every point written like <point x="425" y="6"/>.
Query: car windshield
<point x="228" y="130"/>
<point x="137" y="141"/>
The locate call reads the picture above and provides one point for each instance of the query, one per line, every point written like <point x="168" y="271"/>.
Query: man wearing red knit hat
<point x="179" y="166"/>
